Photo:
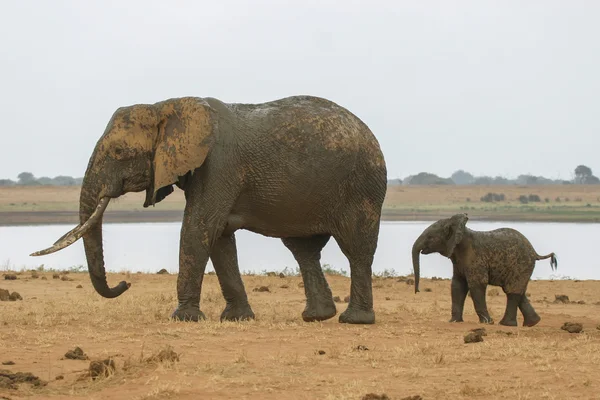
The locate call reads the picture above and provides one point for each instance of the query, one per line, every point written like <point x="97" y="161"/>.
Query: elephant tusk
<point x="76" y="233"/>
<point x="72" y="231"/>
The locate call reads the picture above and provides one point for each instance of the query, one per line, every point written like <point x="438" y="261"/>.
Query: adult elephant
<point x="301" y="169"/>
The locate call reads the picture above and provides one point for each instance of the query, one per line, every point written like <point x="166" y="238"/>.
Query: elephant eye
<point x="121" y="153"/>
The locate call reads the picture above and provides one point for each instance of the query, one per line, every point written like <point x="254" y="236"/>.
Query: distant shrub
<point x="557" y="199"/>
<point x="490" y="197"/>
<point x="534" y="198"/>
<point x="523" y="199"/>
<point x="547" y="200"/>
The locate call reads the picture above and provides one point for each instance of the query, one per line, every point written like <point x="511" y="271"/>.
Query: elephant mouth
<point x="76" y="233"/>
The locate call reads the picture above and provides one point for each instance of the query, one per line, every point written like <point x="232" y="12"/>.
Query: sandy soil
<point x="411" y="350"/>
<point x="575" y="203"/>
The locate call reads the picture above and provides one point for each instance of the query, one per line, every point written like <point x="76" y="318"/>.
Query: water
<point x="149" y="247"/>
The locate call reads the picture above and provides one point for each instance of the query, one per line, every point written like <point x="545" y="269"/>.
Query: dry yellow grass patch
<point x="412" y="349"/>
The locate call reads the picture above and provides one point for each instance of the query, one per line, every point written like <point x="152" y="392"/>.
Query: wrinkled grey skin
<point x="301" y="168"/>
<point x="502" y="257"/>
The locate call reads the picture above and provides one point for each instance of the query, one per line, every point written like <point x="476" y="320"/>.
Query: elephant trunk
<point x="416" y="251"/>
<point x="92" y="242"/>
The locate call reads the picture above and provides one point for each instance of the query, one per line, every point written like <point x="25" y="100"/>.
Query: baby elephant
<point x="502" y="257"/>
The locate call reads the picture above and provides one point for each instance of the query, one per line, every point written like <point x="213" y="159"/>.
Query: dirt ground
<point x="411" y="350"/>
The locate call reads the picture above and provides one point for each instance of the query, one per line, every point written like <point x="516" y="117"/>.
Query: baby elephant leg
<point x="478" y="296"/>
<point x="530" y="317"/>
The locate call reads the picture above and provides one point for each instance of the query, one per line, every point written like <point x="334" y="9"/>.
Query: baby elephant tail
<point x="552" y="257"/>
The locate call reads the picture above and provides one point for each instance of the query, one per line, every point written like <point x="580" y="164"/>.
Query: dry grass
<point x="412" y="349"/>
<point x="576" y="203"/>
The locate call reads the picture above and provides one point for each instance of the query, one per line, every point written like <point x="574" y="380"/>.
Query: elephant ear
<point x="186" y="133"/>
<point x="456" y="230"/>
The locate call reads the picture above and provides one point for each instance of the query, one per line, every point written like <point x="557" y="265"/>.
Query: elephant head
<point x="440" y="237"/>
<point x="144" y="147"/>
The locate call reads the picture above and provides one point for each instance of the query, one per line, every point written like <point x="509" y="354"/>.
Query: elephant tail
<point x="552" y="257"/>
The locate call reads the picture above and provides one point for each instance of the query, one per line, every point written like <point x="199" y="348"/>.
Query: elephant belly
<point x="267" y="226"/>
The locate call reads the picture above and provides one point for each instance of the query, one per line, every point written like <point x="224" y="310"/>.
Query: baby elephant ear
<point x="456" y="231"/>
<point x="186" y="133"/>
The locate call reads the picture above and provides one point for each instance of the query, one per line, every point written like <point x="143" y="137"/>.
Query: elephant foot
<point x="357" y="316"/>
<point x="532" y="321"/>
<point x="507" y="322"/>
<point x="486" y="320"/>
<point x="319" y="311"/>
<point x="456" y="319"/>
<point x="237" y="313"/>
<point x="188" y="313"/>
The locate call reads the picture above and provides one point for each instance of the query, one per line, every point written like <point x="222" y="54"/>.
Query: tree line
<point x="583" y="175"/>
<point x="28" y="179"/>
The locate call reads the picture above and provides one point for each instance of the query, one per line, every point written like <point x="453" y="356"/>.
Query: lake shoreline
<point x="35" y="218"/>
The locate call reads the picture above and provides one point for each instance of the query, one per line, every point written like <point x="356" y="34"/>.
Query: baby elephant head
<point x="440" y="237"/>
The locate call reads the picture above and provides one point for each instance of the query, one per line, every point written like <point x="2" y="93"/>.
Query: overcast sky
<point x="492" y="87"/>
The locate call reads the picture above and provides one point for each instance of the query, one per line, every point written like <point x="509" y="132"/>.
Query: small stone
<point x="473" y="337"/>
<point x="427" y="289"/>
<point x="59" y="377"/>
<point x="4" y="295"/>
<point x="14" y="296"/>
<point x="598" y="327"/>
<point x="480" y="331"/>
<point x="362" y="347"/>
<point x="281" y="275"/>
<point x="55" y="276"/>
<point x="10" y="277"/>
<point x="76" y="354"/>
<point x="167" y="354"/>
<point x="34" y="275"/>
<point x="337" y="299"/>
<point x="101" y="368"/>
<point x="581" y="302"/>
<point x="78" y="287"/>
<point x="561" y="298"/>
<point x="44" y="278"/>
<point x="65" y="278"/>
<point x="375" y="396"/>
<point x="572" y="327"/>
<point x="8" y="363"/>
<point x="321" y="352"/>
<point x="261" y="289"/>
<point x="163" y="272"/>
<point x="284" y="287"/>
<point x="301" y="284"/>
<point x="410" y="281"/>
<point x="347" y="299"/>
<point x="388" y="298"/>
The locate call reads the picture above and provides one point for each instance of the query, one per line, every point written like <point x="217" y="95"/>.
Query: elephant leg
<point x="510" y="314"/>
<point x="530" y="317"/>
<point x="359" y="248"/>
<point x="459" y="289"/>
<point x="478" y="296"/>
<point x="225" y="261"/>
<point x="204" y="220"/>
<point x="319" y="300"/>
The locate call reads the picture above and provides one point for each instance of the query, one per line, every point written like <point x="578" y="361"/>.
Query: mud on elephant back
<point x="302" y="169"/>
<point x="501" y="257"/>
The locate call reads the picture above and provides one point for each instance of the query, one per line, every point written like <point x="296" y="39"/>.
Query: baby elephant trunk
<point x="416" y="252"/>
